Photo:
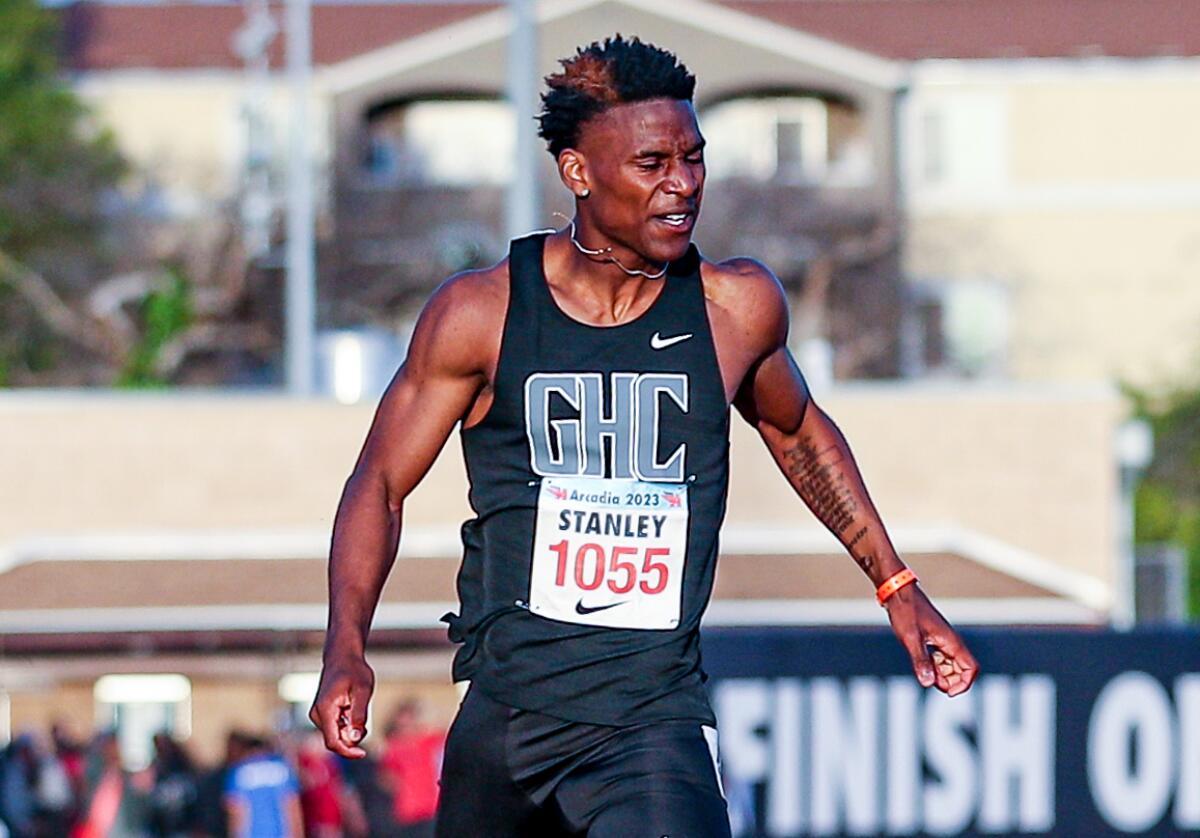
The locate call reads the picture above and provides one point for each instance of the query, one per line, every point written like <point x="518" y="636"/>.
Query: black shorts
<point x="516" y="774"/>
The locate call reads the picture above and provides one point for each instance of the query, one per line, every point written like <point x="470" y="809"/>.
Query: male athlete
<point x="592" y="373"/>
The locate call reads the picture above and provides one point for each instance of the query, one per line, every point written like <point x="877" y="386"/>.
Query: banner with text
<point x="1066" y="732"/>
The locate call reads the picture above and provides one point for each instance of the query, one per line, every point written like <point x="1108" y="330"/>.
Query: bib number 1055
<point x="609" y="552"/>
<point x="630" y="565"/>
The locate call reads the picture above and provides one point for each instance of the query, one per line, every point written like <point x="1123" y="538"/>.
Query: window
<point x="933" y="138"/>
<point x="959" y="328"/>
<point x="958" y="141"/>
<point x="780" y="137"/>
<point x="449" y="143"/>
<point x="139" y="706"/>
<point x="297" y="690"/>
<point x="975" y="321"/>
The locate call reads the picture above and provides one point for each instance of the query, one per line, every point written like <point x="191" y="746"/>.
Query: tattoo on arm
<point x="817" y="477"/>
<point x="866" y="562"/>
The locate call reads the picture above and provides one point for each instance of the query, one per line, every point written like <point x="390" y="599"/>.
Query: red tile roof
<point x="176" y="583"/>
<point x="184" y="35"/>
<point x="103" y="36"/>
<point x="914" y="29"/>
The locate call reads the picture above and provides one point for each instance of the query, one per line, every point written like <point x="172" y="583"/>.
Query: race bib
<point x="609" y="552"/>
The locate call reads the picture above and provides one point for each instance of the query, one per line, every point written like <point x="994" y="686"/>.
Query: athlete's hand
<point x="340" y="708"/>
<point x="939" y="656"/>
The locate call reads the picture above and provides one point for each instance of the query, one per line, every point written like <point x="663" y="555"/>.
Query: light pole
<point x="251" y="42"/>
<point x="1134" y="450"/>
<point x="300" y="306"/>
<point x="523" y="193"/>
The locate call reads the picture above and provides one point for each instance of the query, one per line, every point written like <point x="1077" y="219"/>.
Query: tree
<point x="56" y="172"/>
<point x="1168" y="499"/>
<point x="90" y="292"/>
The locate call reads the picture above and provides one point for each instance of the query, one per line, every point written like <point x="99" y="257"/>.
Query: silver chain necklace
<point x="606" y="253"/>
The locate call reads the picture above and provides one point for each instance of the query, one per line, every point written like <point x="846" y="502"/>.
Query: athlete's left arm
<point x="815" y="458"/>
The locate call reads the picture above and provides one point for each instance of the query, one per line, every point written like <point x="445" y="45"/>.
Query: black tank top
<point x="598" y="478"/>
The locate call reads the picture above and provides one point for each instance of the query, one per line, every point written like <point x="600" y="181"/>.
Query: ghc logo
<point x="574" y="446"/>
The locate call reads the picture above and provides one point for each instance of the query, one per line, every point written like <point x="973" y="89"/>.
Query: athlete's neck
<point x="597" y="246"/>
<point x="595" y="291"/>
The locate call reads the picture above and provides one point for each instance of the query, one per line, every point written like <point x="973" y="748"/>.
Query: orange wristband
<point x="905" y="577"/>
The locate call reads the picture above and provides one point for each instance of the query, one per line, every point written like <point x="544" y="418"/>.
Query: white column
<point x="523" y="210"/>
<point x="300" y="314"/>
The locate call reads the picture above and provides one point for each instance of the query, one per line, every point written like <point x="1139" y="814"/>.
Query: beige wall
<point x="112" y="463"/>
<point x="184" y="130"/>
<point x="1031" y="469"/>
<point x="181" y="129"/>
<point x="1026" y="466"/>
<point x="1086" y="208"/>
<point x="1095" y="294"/>
<point x="36" y="708"/>
<point x="220" y="705"/>
<point x="1110" y="128"/>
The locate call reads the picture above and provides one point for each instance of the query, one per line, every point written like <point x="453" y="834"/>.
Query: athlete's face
<point x="643" y="165"/>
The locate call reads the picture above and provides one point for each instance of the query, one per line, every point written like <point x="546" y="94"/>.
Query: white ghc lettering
<point x="630" y="419"/>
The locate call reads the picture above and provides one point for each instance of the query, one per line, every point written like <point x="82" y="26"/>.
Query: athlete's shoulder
<point x="472" y="292"/>
<point x="749" y="293"/>
<point x="463" y="319"/>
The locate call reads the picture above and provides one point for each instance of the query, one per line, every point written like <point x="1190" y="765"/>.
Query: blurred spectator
<point x="211" y="820"/>
<point x="37" y="797"/>
<point x="173" y="799"/>
<point x="18" y="776"/>
<point x="68" y="747"/>
<point x="261" y="793"/>
<point x="412" y="763"/>
<point x="55" y="793"/>
<point x="115" y="803"/>
<point x="320" y="788"/>
<point x="371" y="794"/>
<point x="55" y="788"/>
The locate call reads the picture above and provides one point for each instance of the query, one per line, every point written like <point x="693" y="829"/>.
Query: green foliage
<point x="58" y="172"/>
<point x="1157" y="513"/>
<point x="165" y="313"/>
<point x="53" y="163"/>
<point x="1168" y="499"/>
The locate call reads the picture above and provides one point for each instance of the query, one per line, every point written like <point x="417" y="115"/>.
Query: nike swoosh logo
<point x="582" y="609"/>
<point x="657" y="341"/>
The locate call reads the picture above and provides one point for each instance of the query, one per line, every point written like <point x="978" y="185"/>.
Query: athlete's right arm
<point x="448" y="365"/>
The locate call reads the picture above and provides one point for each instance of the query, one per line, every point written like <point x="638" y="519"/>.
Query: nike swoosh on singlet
<point x="659" y="342"/>
<point x="582" y="609"/>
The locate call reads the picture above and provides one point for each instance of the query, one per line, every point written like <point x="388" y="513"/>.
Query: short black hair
<point x="603" y="74"/>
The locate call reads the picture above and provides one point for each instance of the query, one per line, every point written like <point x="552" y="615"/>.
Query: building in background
<point x="962" y="188"/>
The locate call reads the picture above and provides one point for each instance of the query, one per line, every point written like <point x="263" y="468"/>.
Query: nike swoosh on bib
<point x="659" y="342"/>
<point x="580" y="608"/>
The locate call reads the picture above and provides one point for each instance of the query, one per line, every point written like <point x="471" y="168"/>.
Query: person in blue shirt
<point x="262" y="796"/>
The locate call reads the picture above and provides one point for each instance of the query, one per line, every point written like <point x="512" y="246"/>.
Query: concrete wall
<point x="1028" y="467"/>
